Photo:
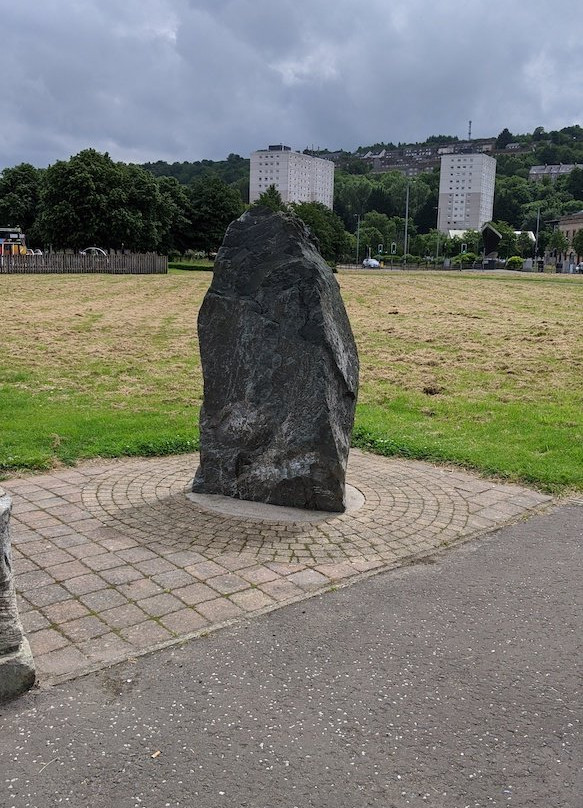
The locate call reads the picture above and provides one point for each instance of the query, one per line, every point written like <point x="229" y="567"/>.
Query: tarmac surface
<point x="454" y="682"/>
<point x="115" y="559"/>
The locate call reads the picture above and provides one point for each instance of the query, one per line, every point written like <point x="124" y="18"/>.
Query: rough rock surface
<point x="280" y="369"/>
<point x="17" y="671"/>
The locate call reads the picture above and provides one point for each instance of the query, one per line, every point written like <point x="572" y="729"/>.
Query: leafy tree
<point x="514" y="165"/>
<point x="442" y="139"/>
<point x="354" y="165"/>
<point x="82" y="200"/>
<point x="213" y="206"/>
<point x="464" y="258"/>
<point x="574" y="183"/>
<point x="510" y="196"/>
<point x="90" y="200"/>
<point x="573" y="133"/>
<point x="433" y="244"/>
<point x="507" y="245"/>
<point x="351" y="196"/>
<point x="136" y="223"/>
<point x="231" y="170"/>
<point x="558" y="242"/>
<point x="386" y="228"/>
<point x="504" y="138"/>
<point x="396" y="184"/>
<point x="539" y="133"/>
<point x="380" y="200"/>
<point x="370" y="237"/>
<point x="471" y="238"/>
<point x="327" y="226"/>
<point x="426" y="214"/>
<point x="399" y="222"/>
<point x="578" y="243"/>
<point x="174" y="212"/>
<point x="524" y="245"/>
<point x="19" y="199"/>
<point x="242" y="185"/>
<point x="271" y="198"/>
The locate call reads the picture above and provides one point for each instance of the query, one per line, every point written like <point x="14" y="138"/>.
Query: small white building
<point x="466" y="191"/>
<point x="298" y="177"/>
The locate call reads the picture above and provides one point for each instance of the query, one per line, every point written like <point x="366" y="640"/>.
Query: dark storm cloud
<point x="193" y="79"/>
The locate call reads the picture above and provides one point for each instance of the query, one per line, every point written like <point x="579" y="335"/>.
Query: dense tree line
<point x="518" y="202"/>
<point x="233" y="171"/>
<point x="171" y="208"/>
<point x="90" y="200"/>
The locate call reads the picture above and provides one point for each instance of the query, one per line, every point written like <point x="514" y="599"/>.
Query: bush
<point x="515" y="262"/>
<point x="465" y="258"/>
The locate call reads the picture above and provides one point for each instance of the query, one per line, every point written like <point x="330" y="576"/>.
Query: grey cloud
<point x="193" y="79"/>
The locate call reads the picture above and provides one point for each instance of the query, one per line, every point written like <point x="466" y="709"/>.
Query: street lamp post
<point x="357" y="236"/>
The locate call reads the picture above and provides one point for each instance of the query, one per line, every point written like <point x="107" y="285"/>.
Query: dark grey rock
<point x="280" y="369"/>
<point x="17" y="671"/>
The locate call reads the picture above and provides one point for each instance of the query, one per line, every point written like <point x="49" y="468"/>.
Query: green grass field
<point x="484" y="371"/>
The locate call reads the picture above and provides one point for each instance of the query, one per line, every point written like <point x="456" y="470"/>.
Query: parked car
<point x="371" y="263"/>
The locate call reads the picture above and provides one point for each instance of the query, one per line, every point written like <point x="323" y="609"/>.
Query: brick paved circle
<point x="405" y="503"/>
<point x="113" y="559"/>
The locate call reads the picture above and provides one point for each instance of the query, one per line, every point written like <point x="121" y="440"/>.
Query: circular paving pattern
<point x="260" y="511"/>
<point x="408" y="508"/>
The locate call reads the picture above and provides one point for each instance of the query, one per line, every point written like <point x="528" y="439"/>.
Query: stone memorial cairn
<point x="280" y="369"/>
<point x="16" y="664"/>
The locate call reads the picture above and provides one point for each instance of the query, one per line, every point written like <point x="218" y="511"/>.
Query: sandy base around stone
<point x="246" y="509"/>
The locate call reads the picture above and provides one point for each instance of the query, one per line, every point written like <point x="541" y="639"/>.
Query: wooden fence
<point x="65" y="263"/>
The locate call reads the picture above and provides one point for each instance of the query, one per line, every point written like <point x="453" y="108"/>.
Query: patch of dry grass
<point x="453" y="366"/>
<point x="119" y="338"/>
<point x="469" y="335"/>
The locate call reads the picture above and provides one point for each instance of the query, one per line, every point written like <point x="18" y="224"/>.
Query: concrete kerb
<point x="135" y="538"/>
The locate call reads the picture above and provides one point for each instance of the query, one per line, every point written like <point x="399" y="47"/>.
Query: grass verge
<point x="480" y="370"/>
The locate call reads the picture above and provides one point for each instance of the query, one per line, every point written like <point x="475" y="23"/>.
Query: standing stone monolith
<point x="280" y="369"/>
<point x="17" y="672"/>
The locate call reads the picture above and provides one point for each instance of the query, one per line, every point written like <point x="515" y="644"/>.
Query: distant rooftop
<point x="552" y="171"/>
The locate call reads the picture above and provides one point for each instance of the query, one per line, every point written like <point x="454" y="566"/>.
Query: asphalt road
<point x="448" y="684"/>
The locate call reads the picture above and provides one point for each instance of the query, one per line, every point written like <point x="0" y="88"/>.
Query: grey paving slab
<point x="133" y="563"/>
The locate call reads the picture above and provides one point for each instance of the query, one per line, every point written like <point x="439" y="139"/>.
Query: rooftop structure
<point x="551" y="171"/>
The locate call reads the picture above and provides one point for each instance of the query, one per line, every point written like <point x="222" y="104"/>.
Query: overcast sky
<point x="180" y="80"/>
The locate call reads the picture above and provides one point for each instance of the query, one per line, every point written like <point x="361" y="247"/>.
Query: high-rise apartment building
<point x="466" y="191"/>
<point x="298" y="177"/>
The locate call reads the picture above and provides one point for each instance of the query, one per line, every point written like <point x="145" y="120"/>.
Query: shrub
<point x="464" y="258"/>
<point x="515" y="262"/>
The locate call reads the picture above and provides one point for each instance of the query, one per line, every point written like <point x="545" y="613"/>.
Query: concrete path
<point x="112" y="559"/>
<point x="449" y="684"/>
